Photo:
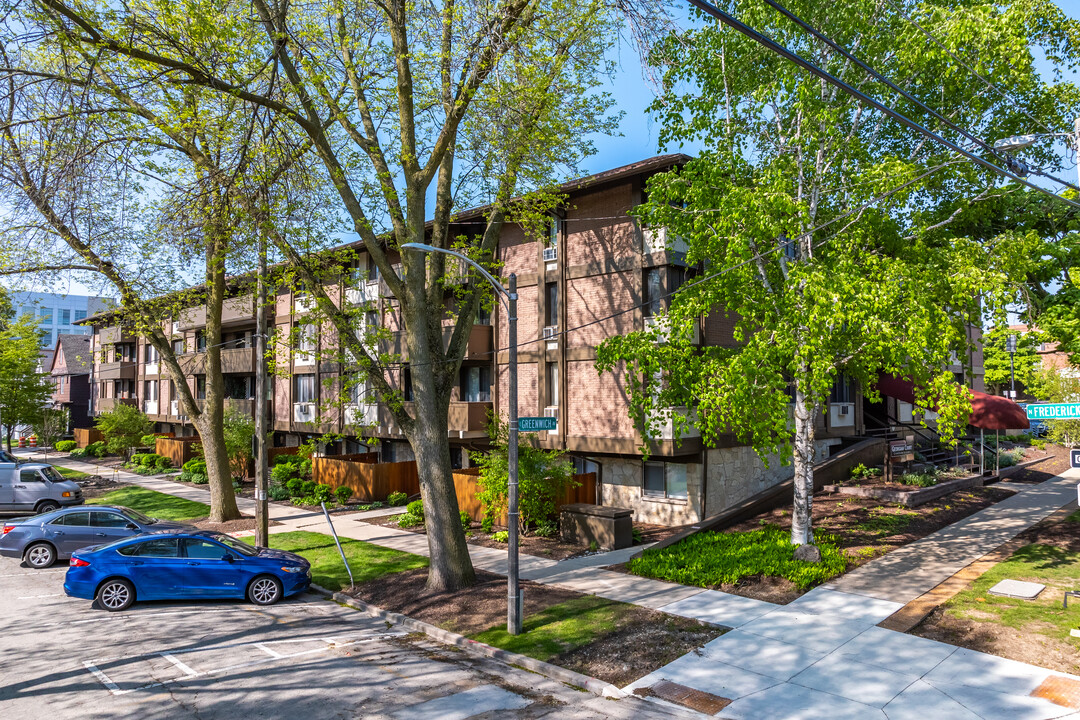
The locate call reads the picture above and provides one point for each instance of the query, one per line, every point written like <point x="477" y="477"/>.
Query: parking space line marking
<point x="179" y="663"/>
<point x="35" y="597"/>
<point x="103" y="678"/>
<point x="37" y="572"/>
<point x="268" y="651"/>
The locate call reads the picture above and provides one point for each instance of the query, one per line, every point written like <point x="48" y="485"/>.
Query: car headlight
<point x="293" y="569"/>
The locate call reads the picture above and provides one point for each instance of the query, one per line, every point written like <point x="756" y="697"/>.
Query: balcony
<point x="468" y="417"/>
<point x="110" y="404"/>
<point x="122" y="370"/>
<point x="192" y="363"/>
<point x="656" y="240"/>
<point x="191" y="318"/>
<point x="304" y="412"/>
<point x="238" y="360"/>
<point x="238" y="310"/>
<point x="480" y="342"/>
<point x="367" y="292"/>
<point x="362" y="415"/>
<point x="112" y="335"/>
<point x="663" y="325"/>
<point x="244" y="406"/>
<point x="150" y="407"/>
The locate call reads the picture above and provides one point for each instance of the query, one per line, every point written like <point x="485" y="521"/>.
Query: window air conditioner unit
<point x="551" y="254"/>
<point x="551" y="332"/>
<point x="551" y="411"/>
<point x="175" y="327"/>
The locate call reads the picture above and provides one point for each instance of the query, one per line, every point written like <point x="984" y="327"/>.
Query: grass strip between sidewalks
<point x="70" y="474"/>
<point x="153" y="503"/>
<point x="367" y="561"/>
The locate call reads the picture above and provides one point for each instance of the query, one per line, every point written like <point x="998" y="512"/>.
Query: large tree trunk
<point x="802" y="532"/>
<point x="211" y="421"/>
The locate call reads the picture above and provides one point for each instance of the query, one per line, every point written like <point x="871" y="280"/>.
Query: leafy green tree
<point x="543" y="477"/>
<point x="773" y="213"/>
<point x="24" y="389"/>
<point x="51" y="425"/>
<point x="239" y="435"/>
<point x="123" y="428"/>
<point x="1026" y="361"/>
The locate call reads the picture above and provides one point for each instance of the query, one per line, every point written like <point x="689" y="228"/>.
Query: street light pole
<point x="1010" y="345"/>
<point x="262" y="505"/>
<point x="513" y="585"/>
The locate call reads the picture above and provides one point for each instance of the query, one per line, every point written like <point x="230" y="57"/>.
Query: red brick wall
<point x="528" y="390"/>
<point x="592" y="238"/>
<point x="528" y="309"/>
<point x="599" y="402"/>
<point x="517" y="253"/>
<point x="599" y="296"/>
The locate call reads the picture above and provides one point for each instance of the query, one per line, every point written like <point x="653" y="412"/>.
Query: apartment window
<point x="553" y="384"/>
<point x="237" y="340"/>
<point x="178" y="347"/>
<point x="172" y="390"/>
<point x="652" y="291"/>
<point x="200" y="387"/>
<point x="65" y="317"/>
<point x="80" y="315"/>
<point x="664" y="479"/>
<point x="46" y="315"/>
<point x="476" y="384"/>
<point x="304" y="388"/>
<point x="200" y="341"/>
<point x="843" y="390"/>
<point x="125" y="352"/>
<point x="123" y="389"/>
<point x="239" y="387"/>
<point x="553" y="233"/>
<point x="150" y="390"/>
<point x="363" y="269"/>
<point x="305" y="341"/>
<point x="150" y="354"/>
<point x="551" y="304"/>
<point x="359" y="390"/>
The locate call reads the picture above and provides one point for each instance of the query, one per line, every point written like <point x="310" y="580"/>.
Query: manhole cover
<point x="1059" y="690"/>
<point x="686" y="696"/>
<point x="1017" y="589"/>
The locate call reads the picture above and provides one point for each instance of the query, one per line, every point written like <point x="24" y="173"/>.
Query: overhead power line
<point x="794" y="57"/>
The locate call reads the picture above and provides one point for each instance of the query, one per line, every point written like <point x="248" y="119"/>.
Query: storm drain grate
<point x="686" y="696"/>
<point x="1060" y="691"/>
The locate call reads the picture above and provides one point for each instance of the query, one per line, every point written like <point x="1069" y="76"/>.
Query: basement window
<point x="664" y="480"/>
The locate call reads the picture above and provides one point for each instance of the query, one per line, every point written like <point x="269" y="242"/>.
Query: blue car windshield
<point x="233" y="544"/>
<point x="138" y="517"/>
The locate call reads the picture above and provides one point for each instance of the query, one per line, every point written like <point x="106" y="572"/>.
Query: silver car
<point x="35" y="487"/>
<point x="41" y="540"/>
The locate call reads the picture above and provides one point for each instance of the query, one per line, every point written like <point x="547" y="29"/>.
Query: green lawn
<point x="154" y="504"/>
<point x="560" y="628"/>
<point x="1052" y="566"/>
<point x="71" y="474"/>
<point x="366" y="560"/>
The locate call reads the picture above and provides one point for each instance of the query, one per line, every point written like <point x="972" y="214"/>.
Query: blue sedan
<point x="184" y="565"/>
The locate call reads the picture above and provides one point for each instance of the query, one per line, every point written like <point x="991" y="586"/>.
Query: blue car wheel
<point x="264" y="590"/>
<point x="116" y="594"/>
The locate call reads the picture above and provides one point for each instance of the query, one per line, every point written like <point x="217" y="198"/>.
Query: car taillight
<point x="7" y="529"/>
<point x="78" y="562"/>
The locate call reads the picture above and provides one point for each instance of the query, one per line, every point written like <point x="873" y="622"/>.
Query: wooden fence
<point x="466" y="489"/>
<point x="87" y="436"/>
<point x="368" y="480"/>
<point x="179" y="450"/>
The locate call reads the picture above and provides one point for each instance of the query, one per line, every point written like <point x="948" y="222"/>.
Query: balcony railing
<point x="367" y="292"/>
<point x="366" y="414"/>
<point x="122" y="370"/>
<point x="468" y="417"/>
<point x="656" y="240"/>
<point x="109" y="404"/>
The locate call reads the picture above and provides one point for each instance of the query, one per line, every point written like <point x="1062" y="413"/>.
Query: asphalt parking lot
<point x="304" y="658"/>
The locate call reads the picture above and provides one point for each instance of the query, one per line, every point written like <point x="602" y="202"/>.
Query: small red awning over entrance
<point x="989" y="412"/>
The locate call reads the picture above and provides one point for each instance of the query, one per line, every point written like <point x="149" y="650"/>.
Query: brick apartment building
<point x="593" y="262"/>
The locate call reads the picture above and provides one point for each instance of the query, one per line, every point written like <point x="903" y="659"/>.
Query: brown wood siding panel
<point x="87" y="436"/>
<point x="466" y="489"/>
<point x="370" y="481"/>
<point x="178" y="450"/>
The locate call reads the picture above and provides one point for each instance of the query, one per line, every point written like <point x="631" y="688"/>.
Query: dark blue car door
<point x="209" y="574"/>
<point x="158" y="570"/>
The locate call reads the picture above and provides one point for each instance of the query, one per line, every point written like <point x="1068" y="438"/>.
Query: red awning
<point x="989" y="412"/>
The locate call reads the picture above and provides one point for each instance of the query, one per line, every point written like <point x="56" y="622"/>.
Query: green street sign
<point x="536" y="424"/>
<point x="1054" y="411"/>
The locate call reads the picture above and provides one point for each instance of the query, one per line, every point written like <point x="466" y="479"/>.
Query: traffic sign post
<point x="536" y="424"/>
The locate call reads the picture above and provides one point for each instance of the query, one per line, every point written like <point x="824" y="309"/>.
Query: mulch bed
<point x="998" y="639"/>
<point x="868" y="528"/>
<point x="96" y="486"/>
<point x="647" y="640"/>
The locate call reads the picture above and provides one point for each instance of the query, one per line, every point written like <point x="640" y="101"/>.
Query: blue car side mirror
<point x="228" y="557"/>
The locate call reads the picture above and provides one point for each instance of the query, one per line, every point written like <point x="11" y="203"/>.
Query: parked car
<point x="41" y="540"/>
<point x="35" y="487"/>
<point x="179" y="565"/>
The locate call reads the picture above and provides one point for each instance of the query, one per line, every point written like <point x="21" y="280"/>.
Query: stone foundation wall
<point x="622" y="481"/>
<point x="738" y="473"/>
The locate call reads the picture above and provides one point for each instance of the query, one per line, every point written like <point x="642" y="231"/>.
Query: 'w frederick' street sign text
<point x="1054" y="411"/>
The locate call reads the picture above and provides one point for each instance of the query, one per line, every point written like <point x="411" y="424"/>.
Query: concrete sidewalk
<point x="821" y="656"/>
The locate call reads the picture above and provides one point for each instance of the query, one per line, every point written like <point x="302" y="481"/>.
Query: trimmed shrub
<point x="343" y="494"/>
<point x="195" y="465"/>
<point x="409" y="520"/>
<point x="163" y="463"/>
<point x="199" y="479"/>
<point x="96" y="449"/>
<point x="281" y="473"/>
<point x="322" y="493"/>
<point x="294" y="486"/>
<point x="277" y="491"/>
<point x="66" y="445"/>
<point x="501" y="536"/>
<point x="416" y="507"/>
<point x="78" y="452"/>
<point x="307" y="487"/>
<point x="466" y="521"/>
<point x="397" y="498"/>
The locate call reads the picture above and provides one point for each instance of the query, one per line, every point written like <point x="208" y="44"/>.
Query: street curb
<point x="593" y="685"/>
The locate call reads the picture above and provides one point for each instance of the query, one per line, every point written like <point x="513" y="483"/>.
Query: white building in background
<point x="57" y="314"/>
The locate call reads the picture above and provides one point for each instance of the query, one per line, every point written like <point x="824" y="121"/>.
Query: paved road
<point x="305" y="658"/>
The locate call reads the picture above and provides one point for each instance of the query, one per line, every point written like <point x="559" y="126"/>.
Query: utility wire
<point x="966" y="66"/>
<point x="794" y="57"/>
